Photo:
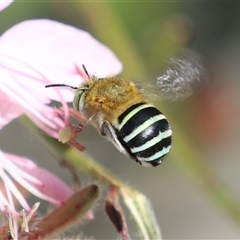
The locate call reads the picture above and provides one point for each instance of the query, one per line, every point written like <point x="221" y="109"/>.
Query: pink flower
<point x="36" y="180"/>
<point x="32" y="54"/>
<point x="38" y="52"/>
<point x="4" y="4"/>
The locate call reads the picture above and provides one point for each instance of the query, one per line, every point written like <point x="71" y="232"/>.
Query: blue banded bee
<point x="122" y="114"/>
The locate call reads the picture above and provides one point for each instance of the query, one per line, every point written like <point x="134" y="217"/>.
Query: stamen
<point x="11" y="223"/>
<point x="28" y="217"/>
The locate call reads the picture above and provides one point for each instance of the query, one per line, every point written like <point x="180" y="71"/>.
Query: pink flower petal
<point x="16" y="99"/>
<point x="54" y="49"/>
<point x="4" y="4"/>
<point x="51" y="186"/>
<point x="8" y="110"/>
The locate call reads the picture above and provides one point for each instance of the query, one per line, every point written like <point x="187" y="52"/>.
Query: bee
<point x="121" y="112"/>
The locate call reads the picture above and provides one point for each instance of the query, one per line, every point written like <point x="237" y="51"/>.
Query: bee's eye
<point x="78" y="100"/>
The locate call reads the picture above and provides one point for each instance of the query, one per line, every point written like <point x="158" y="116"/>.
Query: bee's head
<point x="78" y="100"/>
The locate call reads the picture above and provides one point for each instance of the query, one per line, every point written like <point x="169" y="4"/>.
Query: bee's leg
<point x="112" y="135"/>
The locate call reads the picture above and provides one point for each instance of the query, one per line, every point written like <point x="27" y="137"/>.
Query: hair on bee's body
<point x="110" y="97"/>
<point x="122" y="114"/>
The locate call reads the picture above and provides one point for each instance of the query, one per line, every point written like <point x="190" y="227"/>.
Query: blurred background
<point x="205" y="155"/>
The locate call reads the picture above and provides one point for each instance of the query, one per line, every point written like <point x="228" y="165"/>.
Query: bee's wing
<point x="182" y="77"/>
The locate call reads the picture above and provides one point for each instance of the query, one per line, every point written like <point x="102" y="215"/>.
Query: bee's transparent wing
<point x="182" y="77"/>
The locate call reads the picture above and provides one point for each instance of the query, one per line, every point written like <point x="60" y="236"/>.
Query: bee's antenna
<point x="60" y="85"/>
<point x="85" y="70"/>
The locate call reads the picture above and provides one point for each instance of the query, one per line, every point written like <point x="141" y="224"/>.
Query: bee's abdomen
<point x="145" y="133"/>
